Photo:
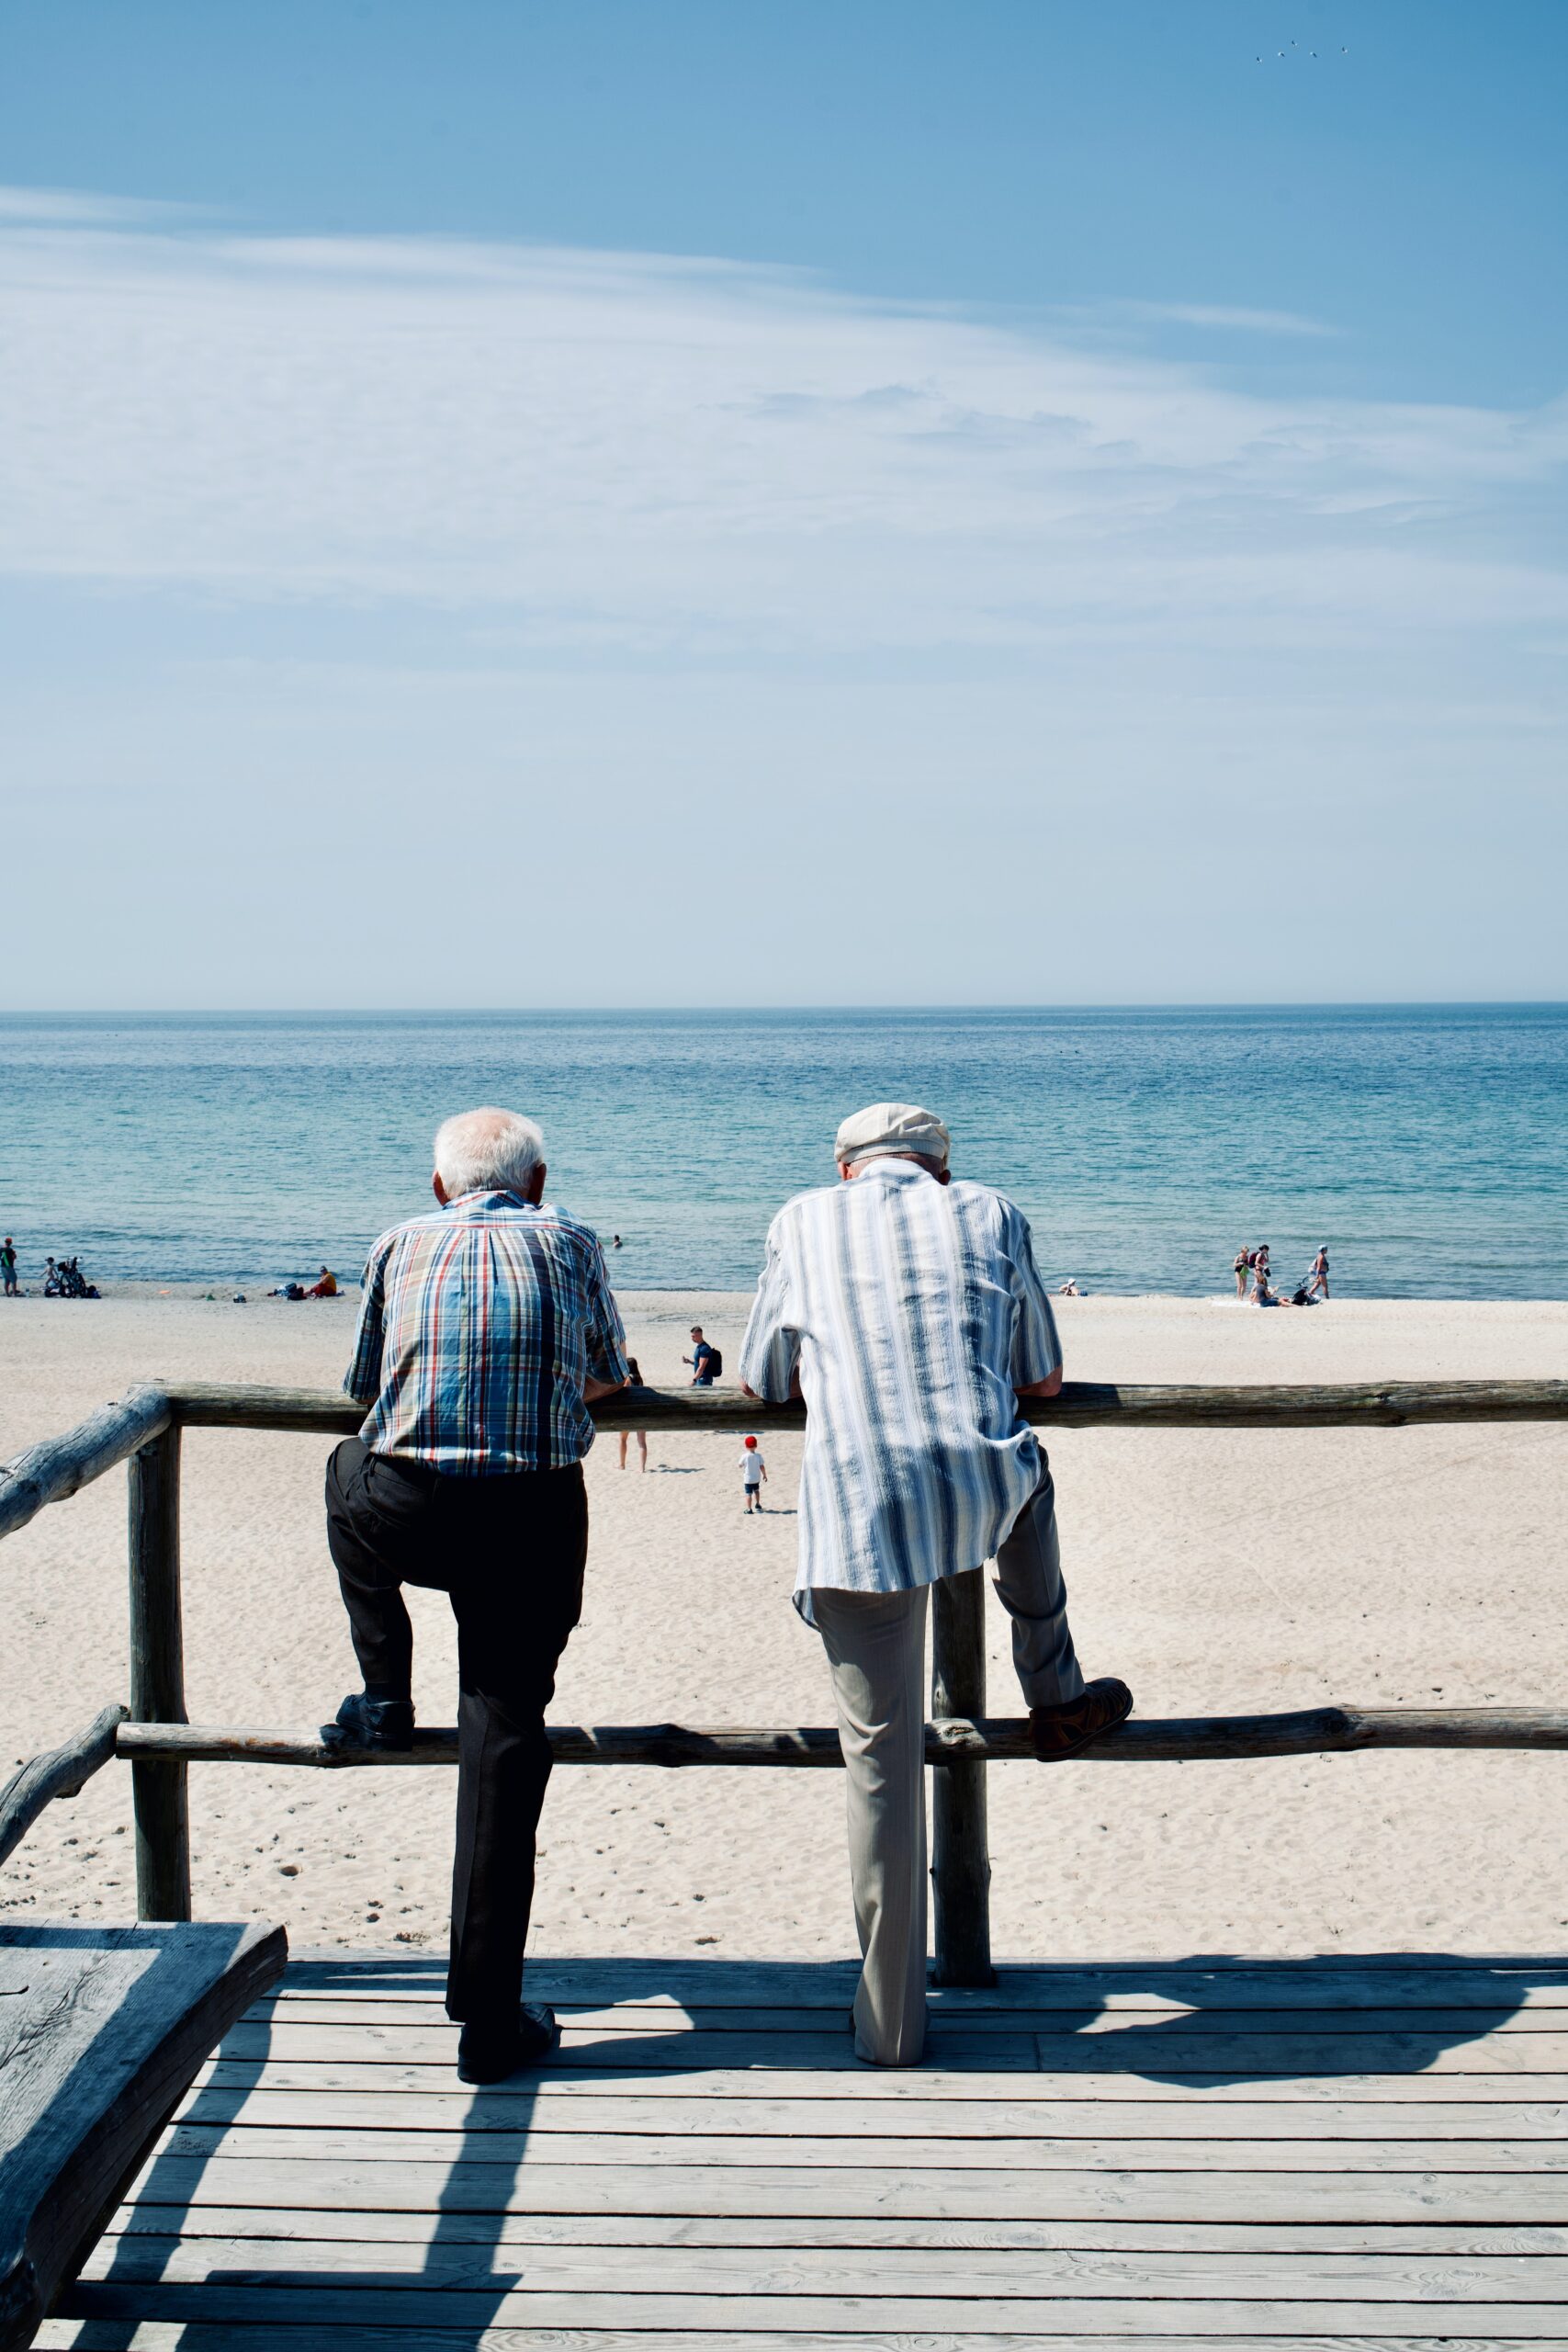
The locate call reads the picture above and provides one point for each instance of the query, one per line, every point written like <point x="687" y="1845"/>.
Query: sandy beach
<point x="1217" y="1571"/>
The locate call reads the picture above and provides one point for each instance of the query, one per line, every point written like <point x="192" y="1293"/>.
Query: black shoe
<point x="1066" y="1729"/>
<point x="487" y="2052"/>
<point x="370" y="1723"/>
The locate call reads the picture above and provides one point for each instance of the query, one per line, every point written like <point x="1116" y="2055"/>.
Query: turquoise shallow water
<point x="1425" y="1145"/>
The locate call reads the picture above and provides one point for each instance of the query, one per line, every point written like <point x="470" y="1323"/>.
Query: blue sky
<point x="694" y="503"/>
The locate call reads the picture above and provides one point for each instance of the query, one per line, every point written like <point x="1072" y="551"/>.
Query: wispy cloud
<point x="663" y="450"/>
<point x="1222" y="317"/>
<point x="76" y="208"/>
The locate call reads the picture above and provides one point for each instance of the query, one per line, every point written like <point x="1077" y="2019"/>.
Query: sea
<point x="1424" y="1145"/>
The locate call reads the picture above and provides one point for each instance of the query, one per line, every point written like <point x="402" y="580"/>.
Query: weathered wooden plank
<point x="324" y="2305"/>
<point x="61" y="1466"/>
<point x="1376" y="1983"/>
<point x="857" y="2271"/>
<point x="190" y="2336"/>
<point x="875" y="2233"/>
<point x="543" y="2107"/>
<point x="861" y="2088"/>
<point x="671" y="2187"/>
<point x="1080" y="1404"/>
<point x="101" y="2030"/>
<point x="518" y="2147"/>
<point x="61" y="1772"/>
<point x="1169" y="2023"/>
<point x="1313" y="1731"/>
<point x="1146" y="2056"/>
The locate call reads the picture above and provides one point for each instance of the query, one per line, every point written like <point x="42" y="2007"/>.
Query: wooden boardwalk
<point x="1323" y="2154"/>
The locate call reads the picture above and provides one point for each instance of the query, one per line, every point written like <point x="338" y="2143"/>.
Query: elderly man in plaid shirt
<point x="487" y="1329"/>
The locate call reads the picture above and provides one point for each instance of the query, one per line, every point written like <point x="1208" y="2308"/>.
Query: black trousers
<point x="509" y="1553"/>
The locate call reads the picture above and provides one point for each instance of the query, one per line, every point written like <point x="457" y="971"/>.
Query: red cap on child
<point x="751" y="1441"/>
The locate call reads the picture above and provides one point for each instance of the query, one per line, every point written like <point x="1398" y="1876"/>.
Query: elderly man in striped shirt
<point x="487" y="1329"/>
<point x="907" y="1312"/>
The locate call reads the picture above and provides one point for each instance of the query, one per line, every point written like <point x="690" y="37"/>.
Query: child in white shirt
<point x="754" y="1470"/>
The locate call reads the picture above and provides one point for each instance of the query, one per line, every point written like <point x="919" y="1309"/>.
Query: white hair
<point x="486" y="1151"/>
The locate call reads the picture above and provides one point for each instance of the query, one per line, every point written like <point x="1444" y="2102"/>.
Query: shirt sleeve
<point x="1036" y="1349"/>
<point x="606" y="1334"/>
<point x="363" y="1378"/>
<point x="770" y="1349"/>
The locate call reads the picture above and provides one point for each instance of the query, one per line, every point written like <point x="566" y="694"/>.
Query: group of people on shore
<point x="1251" y="1266"/>
<point x="62" y="1277"/>
<point x="902" y="1307"/>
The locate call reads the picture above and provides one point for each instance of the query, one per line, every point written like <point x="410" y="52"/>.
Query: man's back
<point x="913" y="1310"/>
<point x="480" y="1326"/>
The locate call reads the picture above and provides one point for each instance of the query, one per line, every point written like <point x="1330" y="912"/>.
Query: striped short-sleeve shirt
<point x="913" y="1311"/>
<point x="480" y="1325"/>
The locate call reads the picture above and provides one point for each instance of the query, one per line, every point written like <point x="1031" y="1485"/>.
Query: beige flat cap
<point x="889" y="1127"/>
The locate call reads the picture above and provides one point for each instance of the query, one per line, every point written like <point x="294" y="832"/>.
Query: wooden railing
<point x="961" y="1739"/>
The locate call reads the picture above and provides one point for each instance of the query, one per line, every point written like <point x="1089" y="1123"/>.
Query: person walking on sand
<point x="486" y="1329"/>
<point x="1318" y="1279"/>
<point x="634" y="1379"/>
<point x="753" y="1472"/>
<point x="8" y="1267"/>
<point x="907" y="1312"/>
<point x="701" y="1359"/>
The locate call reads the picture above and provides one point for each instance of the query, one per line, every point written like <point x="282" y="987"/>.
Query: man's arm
<point x="770" y="1353"/>
<point x="363" y="1378"/>
<point x="608" y="1369"/>
<point x="1037" y="1348"/>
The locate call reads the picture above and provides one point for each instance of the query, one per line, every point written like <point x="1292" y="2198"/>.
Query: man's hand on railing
<point x="593" y="1389"/>
<point x="1050" y="1387"/>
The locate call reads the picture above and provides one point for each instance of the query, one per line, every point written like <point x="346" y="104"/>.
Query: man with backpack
<point x="706" y="1363"/>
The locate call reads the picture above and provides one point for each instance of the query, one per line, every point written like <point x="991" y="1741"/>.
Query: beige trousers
<point x="877" y="1649"/>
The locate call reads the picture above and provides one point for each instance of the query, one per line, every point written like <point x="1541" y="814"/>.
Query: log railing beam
<point x="951" y="1743"/>
<point x="157" y="1678"/>
<point x="961" y="1864"/>
<point x="1082" y="1404"/>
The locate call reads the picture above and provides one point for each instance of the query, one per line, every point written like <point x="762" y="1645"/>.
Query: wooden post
<point x="157" y="1678"/>
<point x="961" y="1862"/>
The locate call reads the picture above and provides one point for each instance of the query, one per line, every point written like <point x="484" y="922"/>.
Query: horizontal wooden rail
<point x="62" y="1772"/>
<point x="1313" y="1731"/>
<point x="49" y="1472"/>
<point x="1082" y="1404"/>
<point x="58" y="1467"/>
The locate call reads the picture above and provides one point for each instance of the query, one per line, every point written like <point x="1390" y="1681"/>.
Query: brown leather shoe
<point x="1074" y="1724"/>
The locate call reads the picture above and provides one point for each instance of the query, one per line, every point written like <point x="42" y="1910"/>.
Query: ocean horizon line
<point x="937" y="1008"/>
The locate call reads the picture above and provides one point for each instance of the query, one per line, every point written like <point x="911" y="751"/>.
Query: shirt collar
<point x="887" y="1165"/>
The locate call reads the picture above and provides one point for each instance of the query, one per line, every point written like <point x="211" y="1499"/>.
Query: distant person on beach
<point x="1317" y="1281"/>
<point x="633" y="1376"/>
<point x="906" y="1310"/>
<point x="1069" y="1289"/>
<point x="326" y="1287"/>
<point x="486" y="1329"/>
<point x="702" y="1359"/>
<point x="1241" y="1266"/>
<point x="754" y="1472"/>
<point x="8" y="1267"/>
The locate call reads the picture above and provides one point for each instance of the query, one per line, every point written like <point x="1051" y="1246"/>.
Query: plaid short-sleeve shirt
<point x="480" y="1324"/>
